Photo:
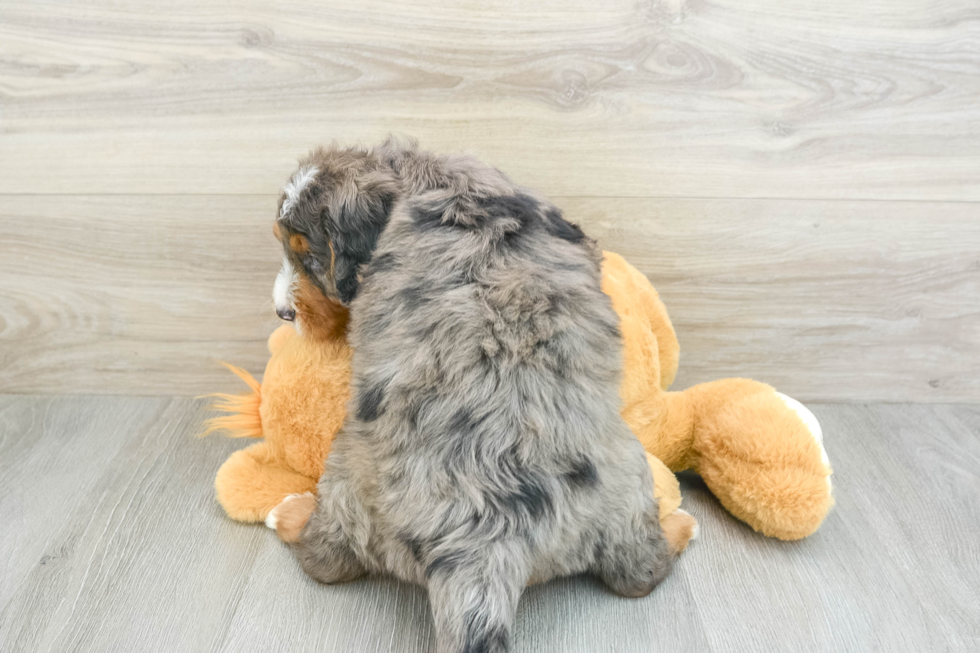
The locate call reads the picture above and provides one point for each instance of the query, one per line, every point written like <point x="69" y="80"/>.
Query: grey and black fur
<point x="483" y="447"/>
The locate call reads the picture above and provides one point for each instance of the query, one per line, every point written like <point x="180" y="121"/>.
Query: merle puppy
<point x="483" y="447"/>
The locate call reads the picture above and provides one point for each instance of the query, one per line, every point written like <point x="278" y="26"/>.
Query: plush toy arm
<point x="642" y="315"/>
<point x="253" y="481"/>
<point x="760" y="454"/>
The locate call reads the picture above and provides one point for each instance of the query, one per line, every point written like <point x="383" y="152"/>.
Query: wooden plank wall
<point x="800" y="180"/>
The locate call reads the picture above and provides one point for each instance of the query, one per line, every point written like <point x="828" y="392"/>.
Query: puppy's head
<point x="331" y="213"/>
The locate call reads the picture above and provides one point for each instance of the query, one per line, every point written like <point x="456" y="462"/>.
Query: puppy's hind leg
<point x="633" y="562"/>
<point x="323" y="546"/>
<point x="474" y="594"/>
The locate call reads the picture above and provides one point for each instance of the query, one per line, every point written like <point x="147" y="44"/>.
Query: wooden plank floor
<point x="111" y="540"/>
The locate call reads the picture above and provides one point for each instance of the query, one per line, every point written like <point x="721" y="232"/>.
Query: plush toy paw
<point x="289" y="518"/>
<point x="810" y="420"/>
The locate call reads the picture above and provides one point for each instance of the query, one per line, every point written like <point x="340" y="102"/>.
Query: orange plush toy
<point x="760" y="452"/>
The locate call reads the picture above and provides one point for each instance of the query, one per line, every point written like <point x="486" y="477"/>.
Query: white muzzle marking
<point x="284" y="288"/>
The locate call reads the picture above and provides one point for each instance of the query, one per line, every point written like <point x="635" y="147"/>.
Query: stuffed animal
<point x="759" y="451"/>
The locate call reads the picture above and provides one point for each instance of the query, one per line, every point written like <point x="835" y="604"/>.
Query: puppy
<point x="483" y="447"/>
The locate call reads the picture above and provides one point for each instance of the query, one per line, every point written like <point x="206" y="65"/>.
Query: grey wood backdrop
<point x="800" y="180"/>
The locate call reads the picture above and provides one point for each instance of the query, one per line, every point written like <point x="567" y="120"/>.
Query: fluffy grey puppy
<point x="483" y="447"/>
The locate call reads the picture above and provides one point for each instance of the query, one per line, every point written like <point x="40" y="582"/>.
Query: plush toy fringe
<point x="245" y="421"/>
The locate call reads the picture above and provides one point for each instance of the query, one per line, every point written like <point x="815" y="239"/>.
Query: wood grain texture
<point x="128" y="550"/>
<point x="52" y="453"/>
<point x="134" y="295"/>
<point x="838" y="99"/>
<point x="865" y="580"/>
<point x="113" y="541"/>
<point x="827" y="300"/>
<point x="142" y="146"/>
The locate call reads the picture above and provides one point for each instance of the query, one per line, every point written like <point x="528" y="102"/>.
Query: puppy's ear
<point x="363" y="215"/>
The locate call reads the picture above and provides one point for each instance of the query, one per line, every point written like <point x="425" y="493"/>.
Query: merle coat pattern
<point x="483" y="447"/>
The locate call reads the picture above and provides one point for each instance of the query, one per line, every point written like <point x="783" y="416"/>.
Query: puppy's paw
<point x="290" y="516"/>
<point x="679" y="528"/>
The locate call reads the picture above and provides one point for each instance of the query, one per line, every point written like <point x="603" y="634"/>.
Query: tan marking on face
<point x="299" y="244"/>
<point x="276" y="231"/>
<point x="320" y="318"/>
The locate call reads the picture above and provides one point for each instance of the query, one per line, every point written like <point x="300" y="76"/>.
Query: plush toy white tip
<point x="810" y="421"/>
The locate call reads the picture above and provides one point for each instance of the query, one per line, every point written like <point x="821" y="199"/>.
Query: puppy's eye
<point x="314" y="265"/>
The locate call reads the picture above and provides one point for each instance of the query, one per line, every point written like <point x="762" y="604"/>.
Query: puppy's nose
<point x="287" y="314"/>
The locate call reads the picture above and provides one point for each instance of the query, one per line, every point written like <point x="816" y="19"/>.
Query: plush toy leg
<point x="249" y="485"/>
<point x="760" y="453"/>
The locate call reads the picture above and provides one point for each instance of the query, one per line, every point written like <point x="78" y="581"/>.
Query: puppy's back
<point x="483" y="442"/>
<point x="487" y="374"/>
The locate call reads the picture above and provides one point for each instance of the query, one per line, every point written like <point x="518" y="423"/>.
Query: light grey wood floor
<point x="111" y="541"/>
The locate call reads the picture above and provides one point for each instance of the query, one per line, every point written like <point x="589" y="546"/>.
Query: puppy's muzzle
<point x="287" y="314"/>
